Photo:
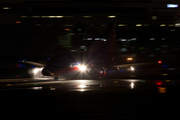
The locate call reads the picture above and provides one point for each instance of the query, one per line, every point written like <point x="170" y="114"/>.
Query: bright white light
<point x="82" y="86"/>
<point x="132" y="68"/>
<point x="82" y="67"/>
<point x="123" y="39"/>
<point x="36" y="72"/>
<point x="51" y="16"/>
<point x="132" y="85"/>
<point x="177" y="25"/>
<point x="82" y="90"/>
<point x="37" y="88"/>
<point x="111" y="16"/>
<point x="172" y="5"/>
<point x="59" y="16"/>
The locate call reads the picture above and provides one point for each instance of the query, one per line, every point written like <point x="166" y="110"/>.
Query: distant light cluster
<point x="135" y="39"/>
<point x="97" y="39"/>
<point x="172" y="6"/>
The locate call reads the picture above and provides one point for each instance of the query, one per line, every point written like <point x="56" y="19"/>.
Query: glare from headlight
<point x="132" y="68"/>
<point x="36" y="70"/>
<point x="82" y="86"/>
<point x="82" y="67"/>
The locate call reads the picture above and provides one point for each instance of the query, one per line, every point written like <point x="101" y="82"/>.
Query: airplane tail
<point x="110" y="44"/>
<point x="111" y="38"/>
<point x="103" y="50"/>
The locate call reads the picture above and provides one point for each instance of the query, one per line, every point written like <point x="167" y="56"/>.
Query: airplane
<point x="95" y="62"/>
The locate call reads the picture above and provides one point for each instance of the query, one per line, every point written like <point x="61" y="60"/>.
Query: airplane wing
<point x="133" y="64"/>
<point x="34" y="63"/>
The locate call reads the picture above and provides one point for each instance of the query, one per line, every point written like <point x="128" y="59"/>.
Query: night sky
<point x="12" y="1"/>
<point x="33" y="39"/>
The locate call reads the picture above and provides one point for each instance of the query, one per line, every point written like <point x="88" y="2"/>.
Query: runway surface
<point x="85" y="84"/>
<point x="89" y="99"/>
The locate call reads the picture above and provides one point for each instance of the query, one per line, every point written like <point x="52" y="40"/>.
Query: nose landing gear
<point x="56" y="78"/>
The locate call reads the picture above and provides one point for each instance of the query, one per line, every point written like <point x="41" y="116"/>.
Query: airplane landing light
<point x="36" y="72"/>
<point x="82" y="67"/>
<point x="132" y="68"/>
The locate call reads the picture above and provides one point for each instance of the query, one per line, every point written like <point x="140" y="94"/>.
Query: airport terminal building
<point x="76" y="25"/>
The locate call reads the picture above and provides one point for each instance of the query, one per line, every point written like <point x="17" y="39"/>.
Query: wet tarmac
<point x="89" y="99"/>
<point x="85" y="84"/>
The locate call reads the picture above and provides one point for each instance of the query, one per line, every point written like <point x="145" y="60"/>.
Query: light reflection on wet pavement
<point x="102" y="98"/>
<point x="161" y="86"/>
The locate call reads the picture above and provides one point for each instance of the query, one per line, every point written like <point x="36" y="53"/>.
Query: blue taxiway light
<point x="164" y="65"/>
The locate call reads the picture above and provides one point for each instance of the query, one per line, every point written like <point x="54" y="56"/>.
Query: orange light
<point x="67" y="29"/>
<point x="18" y="21"/>
<point x="159" y="61"/>
<point x="162" y="90"/>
